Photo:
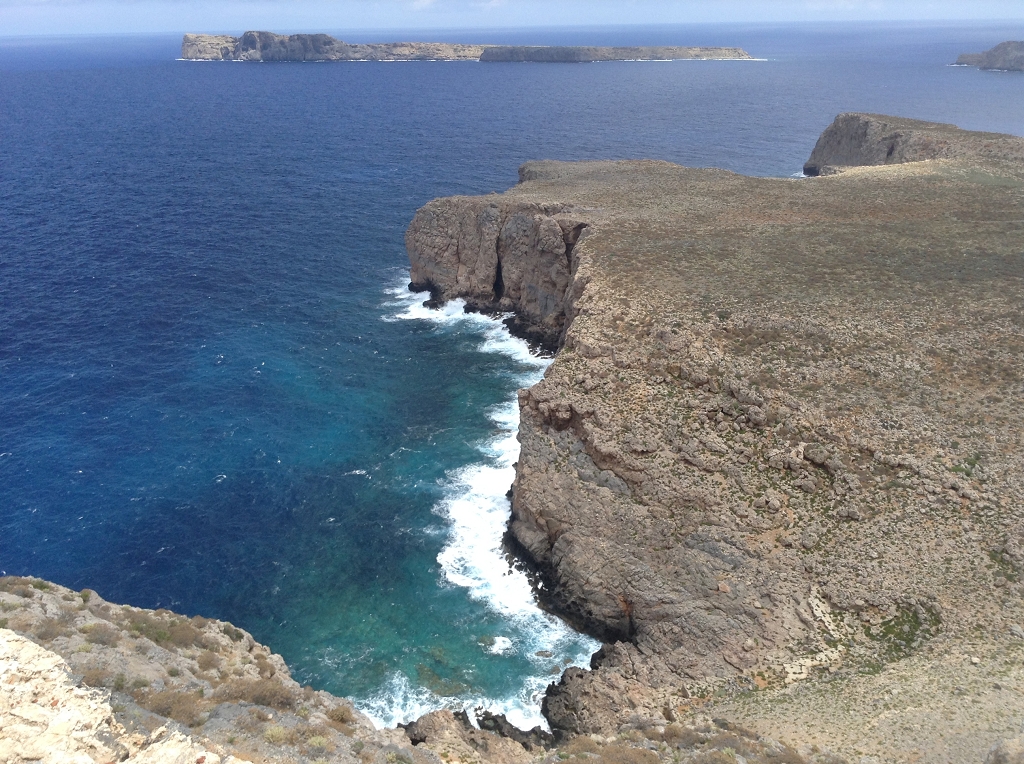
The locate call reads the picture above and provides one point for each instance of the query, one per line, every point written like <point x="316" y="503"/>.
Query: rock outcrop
<point x="84" y="680"/>
<point x="779" y="439"/>
<point x="1006" y="56"/>
<point x="267" y="46"/>
<point x="580" y="54"/>
<point x="499" y="257"/>
<point x="859" y="140"/>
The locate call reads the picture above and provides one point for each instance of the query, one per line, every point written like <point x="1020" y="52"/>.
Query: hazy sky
<point x="97" y="16"/>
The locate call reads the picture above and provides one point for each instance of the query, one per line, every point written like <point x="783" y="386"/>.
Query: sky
<point x="29" y="17"/>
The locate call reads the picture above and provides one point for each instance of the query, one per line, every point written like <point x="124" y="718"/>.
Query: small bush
<point x="120" y="681"/>
<point x="262" y="692"/>
<point x="183" y="707"/>
<point x="624" y="754"/>
<point x="102" y="634"/>
<point x="95" y="677"/>
<point x="49" y="629"/>
<point x="173" y="671"/>
<point x="318" y="744"/>
<point x="582" y="744"/>
<point x="682" y="737"/>
<point x="86" y="595"/>
<point x="184" y="634"/>
<point x="208" y="660"/>
<point x="3" y="623"/>
<point x="278" y="735"/>
<point x="235" y="635"/>
<point x="341" y="714"/>
<point x="41" y="586"/>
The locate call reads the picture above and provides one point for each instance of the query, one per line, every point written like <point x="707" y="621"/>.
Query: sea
<point x="217" y="394"/>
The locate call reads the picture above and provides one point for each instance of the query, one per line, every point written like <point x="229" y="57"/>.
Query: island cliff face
<point x="778" y="441"/>
<point x="267" y="46"/>
<point x="1006" y="56"/>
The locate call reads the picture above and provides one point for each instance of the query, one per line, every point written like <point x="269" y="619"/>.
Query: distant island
<point x="267" y="46"/>
<point x="1006" y="56"/>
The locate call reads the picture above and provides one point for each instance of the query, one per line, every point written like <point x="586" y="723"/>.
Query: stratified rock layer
<point x="1006" y="56"/>
<point x="781" y="436"/>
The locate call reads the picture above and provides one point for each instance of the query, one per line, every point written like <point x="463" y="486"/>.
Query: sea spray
<point x="475" y="511"/>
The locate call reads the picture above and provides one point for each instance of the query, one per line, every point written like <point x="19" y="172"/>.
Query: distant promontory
<point x="267" y="46"/>
<point x="1006" y="56"/>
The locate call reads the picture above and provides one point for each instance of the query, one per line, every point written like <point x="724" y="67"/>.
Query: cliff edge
<point x="1006" y="56"/>
<point x="775" y="463"/>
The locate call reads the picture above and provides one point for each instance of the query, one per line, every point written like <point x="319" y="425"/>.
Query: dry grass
<point x="262" y="692"/>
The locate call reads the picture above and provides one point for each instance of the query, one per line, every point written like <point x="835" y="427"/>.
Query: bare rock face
<point x="499" y="257"/>
<point x="45" y="717"/>
<point x="1006" y="56"/>
<point x="860" y="140"/>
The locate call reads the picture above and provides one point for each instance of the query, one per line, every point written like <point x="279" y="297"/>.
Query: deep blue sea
<point x="216" y="395"/>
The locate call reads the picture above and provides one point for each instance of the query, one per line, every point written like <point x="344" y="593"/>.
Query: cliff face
<point x="1006" y="56"/>
<point x="499" y="256"/>
<point x="267" y="46"/>
<point x="567" y="54"/>
<point x="777" y="440"/>
<point x="859" y="140"/>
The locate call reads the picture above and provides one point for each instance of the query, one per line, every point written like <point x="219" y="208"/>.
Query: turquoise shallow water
<point x="215" y="394"/>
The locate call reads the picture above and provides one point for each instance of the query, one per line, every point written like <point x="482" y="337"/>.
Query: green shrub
<point x="278" y="735"/>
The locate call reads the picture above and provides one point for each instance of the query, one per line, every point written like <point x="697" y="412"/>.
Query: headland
<point x="777" y="449"/>
<point x="1006" y="56"/>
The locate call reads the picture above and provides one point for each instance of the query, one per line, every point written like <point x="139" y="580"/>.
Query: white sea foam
<point x="475" y="510"/>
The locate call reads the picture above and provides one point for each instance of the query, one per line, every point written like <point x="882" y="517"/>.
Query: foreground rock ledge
<point x="781" y="438"/>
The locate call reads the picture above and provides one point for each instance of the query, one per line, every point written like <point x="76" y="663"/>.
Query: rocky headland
<point x="1006" y="56"/>
<point x="776" y="463"/>
<point x="267" y="46"/>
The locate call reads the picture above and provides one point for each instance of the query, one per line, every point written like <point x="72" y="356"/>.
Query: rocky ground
<point x="779" y="447"/>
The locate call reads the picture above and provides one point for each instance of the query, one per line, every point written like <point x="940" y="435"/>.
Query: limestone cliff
<point x="858" y="140"/>
<point x="778" y="441"/>
<point x="1006" y="56"/>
